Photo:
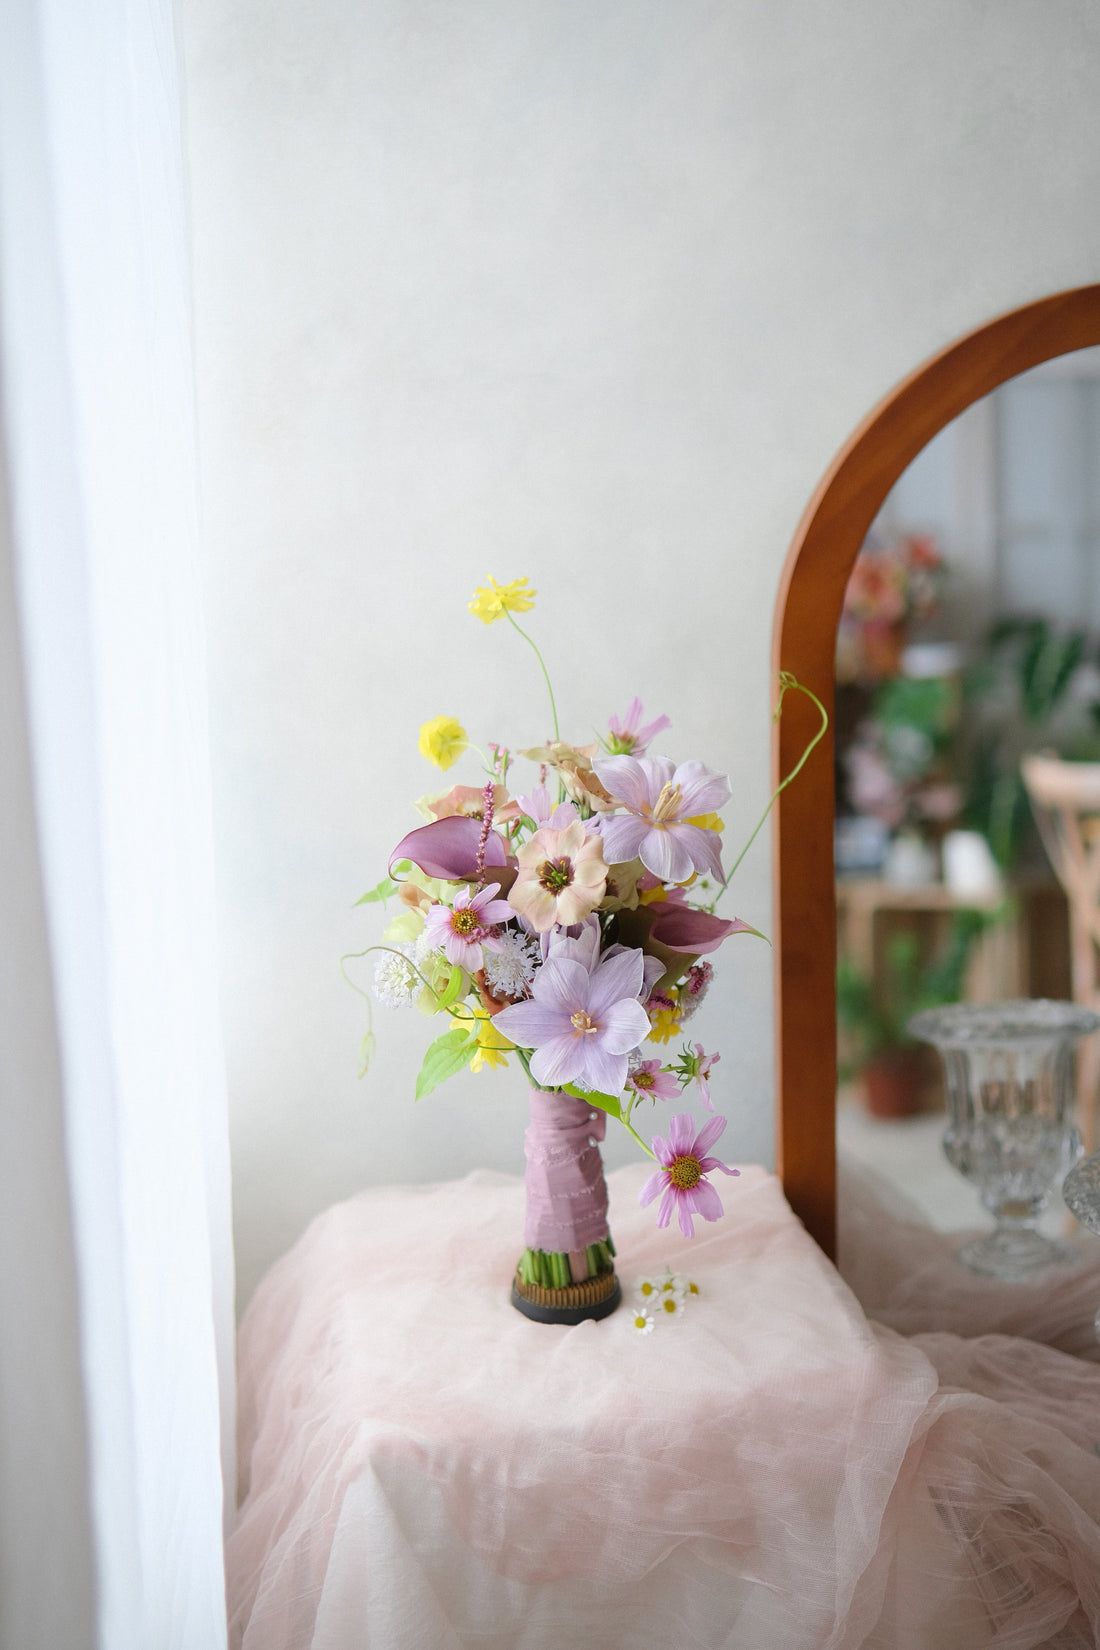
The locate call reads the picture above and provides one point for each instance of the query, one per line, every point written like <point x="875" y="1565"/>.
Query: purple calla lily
<point x="448" y="848"/>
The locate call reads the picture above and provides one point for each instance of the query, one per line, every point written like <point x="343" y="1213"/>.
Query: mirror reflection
<point x="968" y="777"/>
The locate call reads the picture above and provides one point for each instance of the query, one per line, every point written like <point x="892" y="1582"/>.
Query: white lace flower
<point x="395" y="980"/>
<point x="509" y="971"/>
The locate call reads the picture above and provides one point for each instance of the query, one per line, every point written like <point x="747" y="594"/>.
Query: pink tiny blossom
<point x="464" y="930"/>
<point x="630" y="739"/>
<point x="650" y="1080"/>
<point x="681" y="1177"/>
<point x="696" y="1068"/>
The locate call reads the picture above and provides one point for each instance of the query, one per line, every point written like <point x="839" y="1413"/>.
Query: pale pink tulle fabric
<point x="423" y="1468"/>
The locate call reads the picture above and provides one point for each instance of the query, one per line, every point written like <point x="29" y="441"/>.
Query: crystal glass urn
<point x="1082" y="1195"/>
<point x="1009" y="1070"/>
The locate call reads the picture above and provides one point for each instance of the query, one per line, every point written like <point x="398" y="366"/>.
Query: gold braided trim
<point x="588" y="1293"/>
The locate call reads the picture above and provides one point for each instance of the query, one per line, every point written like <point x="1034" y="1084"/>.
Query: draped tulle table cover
<point x="425" y="1469"/>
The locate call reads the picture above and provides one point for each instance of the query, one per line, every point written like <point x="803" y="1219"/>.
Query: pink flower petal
<point x="703" y="790"/>
<point x="662" y="852"/>
<point x="653" y="1188"/>
<point x="706" y="1200"/>
<point x="623" y="835"/>
<point x="602" y="1069"/>
<point x="681" y="1134"/>
<point x="531" y="1023"/>
<point x="617" y="978"/>
<point x="626" y="779"/>
<point x="705" y="848"/>
<point x="683" y="928"/>
<point x="708" y="1134"/>
<point x="559" y="1061"/>
<point x="624" y="1025"/>
<point x="448" y="848"/>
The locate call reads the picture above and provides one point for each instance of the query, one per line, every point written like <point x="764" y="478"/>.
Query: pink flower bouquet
<point x="568" y="924"/>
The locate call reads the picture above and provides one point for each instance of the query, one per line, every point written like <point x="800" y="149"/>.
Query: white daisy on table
<point x="642" y="1323"/>
<point x="647" y="1289"/>
<point x="669" y="1305"/>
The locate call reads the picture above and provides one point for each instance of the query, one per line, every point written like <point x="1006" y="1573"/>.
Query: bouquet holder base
<point x="594" y="1298"/>
<point x="566" y="1218"/>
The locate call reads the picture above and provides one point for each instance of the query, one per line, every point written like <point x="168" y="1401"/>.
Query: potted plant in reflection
<point x="896" y="1074"/>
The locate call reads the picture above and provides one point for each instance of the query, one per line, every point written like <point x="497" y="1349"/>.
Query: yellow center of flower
<point x="555" y="874"/>
<point x="685" y="1173"/>
<point x="668" y="805"/>
<point x="583" y="1022"/>
<point x="465" y="921"/>
<point x="644" y="1079"/>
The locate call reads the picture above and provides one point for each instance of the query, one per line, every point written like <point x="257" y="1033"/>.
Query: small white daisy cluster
<point x="510" y="970"/>
<point x="661" y="1300"/>
<point x="395" y="982"/>
<point x="396" y="976"/>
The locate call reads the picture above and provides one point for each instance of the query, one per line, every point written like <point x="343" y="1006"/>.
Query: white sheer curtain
<point x="115" y="1259"/>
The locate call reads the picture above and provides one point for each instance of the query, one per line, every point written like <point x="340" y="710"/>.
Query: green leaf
<point x="602" y="1102"/>
<point x="387" y="887"/>
<point x="446" y="1056"/>
<point x="384" y="891"/>
<point x="452" y="988"/>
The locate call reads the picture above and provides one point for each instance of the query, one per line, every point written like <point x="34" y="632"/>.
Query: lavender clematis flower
<point x="580" y="1024"/>
<point x="684" y="1165"/>
<point x="661" y="799"/>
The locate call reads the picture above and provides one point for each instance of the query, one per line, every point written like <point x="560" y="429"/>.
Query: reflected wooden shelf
<point x="1024" y="955"/>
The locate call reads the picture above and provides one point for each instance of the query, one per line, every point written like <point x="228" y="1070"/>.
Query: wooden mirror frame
<point x="811" y="594"/>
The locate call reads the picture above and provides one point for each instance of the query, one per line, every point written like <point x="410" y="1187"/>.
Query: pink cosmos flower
<point x="627" y="738"/>
<point x="684" y="1165"/>
<point x="465" y="930"/>
<point x="581" y="1025"/>
<point x="649" y="1080"/>
<point x="696" y="1068"/>
<point x="562" y="877"/>
<point x="661" y="799"/>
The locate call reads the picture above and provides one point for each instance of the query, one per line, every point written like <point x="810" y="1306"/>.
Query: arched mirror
<point x="816" y="576"/>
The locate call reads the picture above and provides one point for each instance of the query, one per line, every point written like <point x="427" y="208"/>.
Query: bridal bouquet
<point x="569" y="920"/>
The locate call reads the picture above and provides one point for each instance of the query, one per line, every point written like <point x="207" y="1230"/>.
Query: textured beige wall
<point x="589" y="290"/>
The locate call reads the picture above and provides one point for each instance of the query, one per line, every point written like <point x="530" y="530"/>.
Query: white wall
<point x="588" y="290"/>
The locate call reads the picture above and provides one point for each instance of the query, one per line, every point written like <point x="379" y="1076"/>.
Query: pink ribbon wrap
<point x="566" y="1190"/>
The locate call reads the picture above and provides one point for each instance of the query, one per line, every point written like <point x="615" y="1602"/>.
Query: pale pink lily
<point x="464" y="931"/>
<point x="580" y="1025"/>
<point x="661" y="799"/>
<point x="562" y="877"/>
<point x="628" y="738"/>
<point x="681" y="1177"/>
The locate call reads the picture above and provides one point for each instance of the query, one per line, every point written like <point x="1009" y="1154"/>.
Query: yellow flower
<point x="491" y="604"/>
<point x="491" y="1043"/>
<point x="442" y="741"/>
<point x="666" y="1025"/>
